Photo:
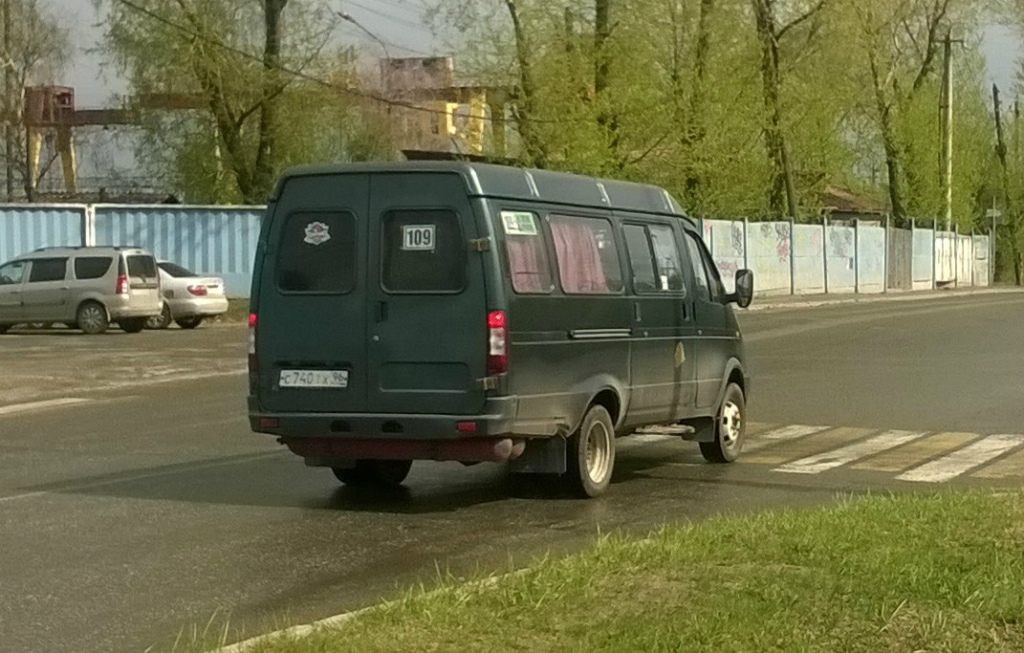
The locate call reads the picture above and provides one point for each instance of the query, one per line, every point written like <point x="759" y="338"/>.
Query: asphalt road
<point x="139" y="503"/>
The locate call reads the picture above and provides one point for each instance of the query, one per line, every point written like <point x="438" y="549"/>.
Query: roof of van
<point x="491" y="180"/>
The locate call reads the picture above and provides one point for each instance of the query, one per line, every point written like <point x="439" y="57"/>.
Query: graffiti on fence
<point x="841" y="240"/>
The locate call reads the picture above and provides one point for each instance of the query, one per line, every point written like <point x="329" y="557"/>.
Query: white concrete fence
<point x="787" y="258"/>
<point x="847" y="257"/>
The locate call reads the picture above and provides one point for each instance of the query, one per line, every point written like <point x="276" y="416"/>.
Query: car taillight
<point x="122" y="285"/>
<point x="253" y="363"/>
<point x="497" y="336"/>
<point x="198" y="291"/>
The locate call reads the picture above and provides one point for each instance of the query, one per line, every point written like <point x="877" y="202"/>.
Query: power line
<point x="395" y="19"/>
<point x="299" y="74"/>
<point x="366" y="37"/>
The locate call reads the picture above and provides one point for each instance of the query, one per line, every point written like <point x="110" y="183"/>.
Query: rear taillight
<point x="122" y="285"/>
<point x="497" y="337"/>
<point x="253" y="363"/>
<point x="198" y="291"/>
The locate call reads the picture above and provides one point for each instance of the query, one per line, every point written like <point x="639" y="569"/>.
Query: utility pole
<point x="946" y="121"/>
<point x="8" y="108"/>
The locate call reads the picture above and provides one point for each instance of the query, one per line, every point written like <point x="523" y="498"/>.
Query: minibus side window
<point x="528" y="264"/>
<point x="588" y="260"/>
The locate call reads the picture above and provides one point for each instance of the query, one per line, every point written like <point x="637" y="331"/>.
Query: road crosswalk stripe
<point x="1007" y="467"/>
<point x="782" y="434"/>
<point x="963" y="460"/>
<point x="845" y="455"/>
<point x="902" y="458"/>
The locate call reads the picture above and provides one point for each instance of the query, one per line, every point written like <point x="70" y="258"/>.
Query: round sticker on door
<point x="317" y="233"/>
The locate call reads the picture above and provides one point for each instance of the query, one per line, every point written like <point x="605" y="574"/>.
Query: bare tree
<point x="901" y="40"/>
<point x="782" y="192"/>
<point x="36" y="49"/>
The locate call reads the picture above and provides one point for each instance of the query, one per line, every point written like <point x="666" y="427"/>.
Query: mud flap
<point x="703" y="429"/>
<point x="542" y="456"/>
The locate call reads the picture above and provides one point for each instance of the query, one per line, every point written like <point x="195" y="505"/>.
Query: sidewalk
<point x="785" y="302"/>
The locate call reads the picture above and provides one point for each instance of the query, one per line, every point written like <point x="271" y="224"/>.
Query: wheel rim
<point x="92" y="318"/>
<point x="599" y="452"/>
<point x="731" y="425"/>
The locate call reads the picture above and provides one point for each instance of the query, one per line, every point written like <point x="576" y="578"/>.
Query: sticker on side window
<point x="418" y="237"/>
<point x="519" y="223"/>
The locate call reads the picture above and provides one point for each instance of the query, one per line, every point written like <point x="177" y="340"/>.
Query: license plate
<point x="313" y="379"/>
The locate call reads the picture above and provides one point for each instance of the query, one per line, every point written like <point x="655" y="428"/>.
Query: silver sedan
<point x="188" y="298"/>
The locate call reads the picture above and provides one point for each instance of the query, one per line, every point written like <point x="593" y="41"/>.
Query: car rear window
<point x="588" y="263"/>
<point x="48" y="269"/>
<point x="92" y="267"/>
<point x="423" y="252"/>
<point x="317" y="253"/>
<point x="176" y="270"/>
<point x="141" y="266"/>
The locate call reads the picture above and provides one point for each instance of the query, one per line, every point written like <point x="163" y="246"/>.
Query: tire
<point x="92" y="318"/>
<point x="590" y="454"/>
<point x="161" y="321"/>
<point x="380" y="473"/>
<point x="189" y="322"/>
<point x="730" y="428"/>
<point x="4" y="328"/>
<point x="134" y="325"/>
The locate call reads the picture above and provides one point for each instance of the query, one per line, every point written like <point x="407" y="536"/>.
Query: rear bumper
<point x="328" y="439"/>
<point x="133" y="309"/>
<point x="496" y="420"/>
<point x="201" y="306"/>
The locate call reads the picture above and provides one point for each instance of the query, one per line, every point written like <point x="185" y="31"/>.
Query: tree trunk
<point x="696" y="129"/>
<point x="1011" y="215"/>
<point x="782" y="196"/>
<point x="533" y="144"/>
<point x="890" y="144"/>
<point x="606" y="117"/>
<point x="263" y="169"/>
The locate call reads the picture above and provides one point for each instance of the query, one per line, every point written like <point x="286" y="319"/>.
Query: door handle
<point x="637" y="313"/>
<point x="382" y="311"/>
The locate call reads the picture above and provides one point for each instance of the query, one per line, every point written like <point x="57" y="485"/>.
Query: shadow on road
<point x="276" y="480"/>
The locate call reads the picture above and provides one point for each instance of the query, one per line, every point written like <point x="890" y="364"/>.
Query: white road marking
<point x="40" y="405"/>
<point x="783" y="434"/>
<point x="964" y="460"/>
<point x="845" y="455"/>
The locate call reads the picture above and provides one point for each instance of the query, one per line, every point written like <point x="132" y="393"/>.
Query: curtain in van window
<point x="527" y="264"/>
<point x="579" y="258"/>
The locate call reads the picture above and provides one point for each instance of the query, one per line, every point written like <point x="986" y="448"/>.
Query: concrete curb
<point x="768" y="305"/>
<point x="301" y="630"/>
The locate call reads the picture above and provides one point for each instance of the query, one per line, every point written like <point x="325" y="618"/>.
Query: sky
<point x="396" y="22"/>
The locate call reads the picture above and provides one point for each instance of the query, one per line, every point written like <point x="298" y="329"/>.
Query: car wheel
<point x="591" y="454"/>
<point x="92" y="318"/>
<point x="134" y="325"/>
<point x="4" y="328"/>
<point x="161" y="321"/>
<point x="730" y="428"/>
<point x="189" y="322"/>
<point x="384" y="473"/>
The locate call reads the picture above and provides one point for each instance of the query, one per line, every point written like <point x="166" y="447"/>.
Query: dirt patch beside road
<point x="41" y="365"/>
